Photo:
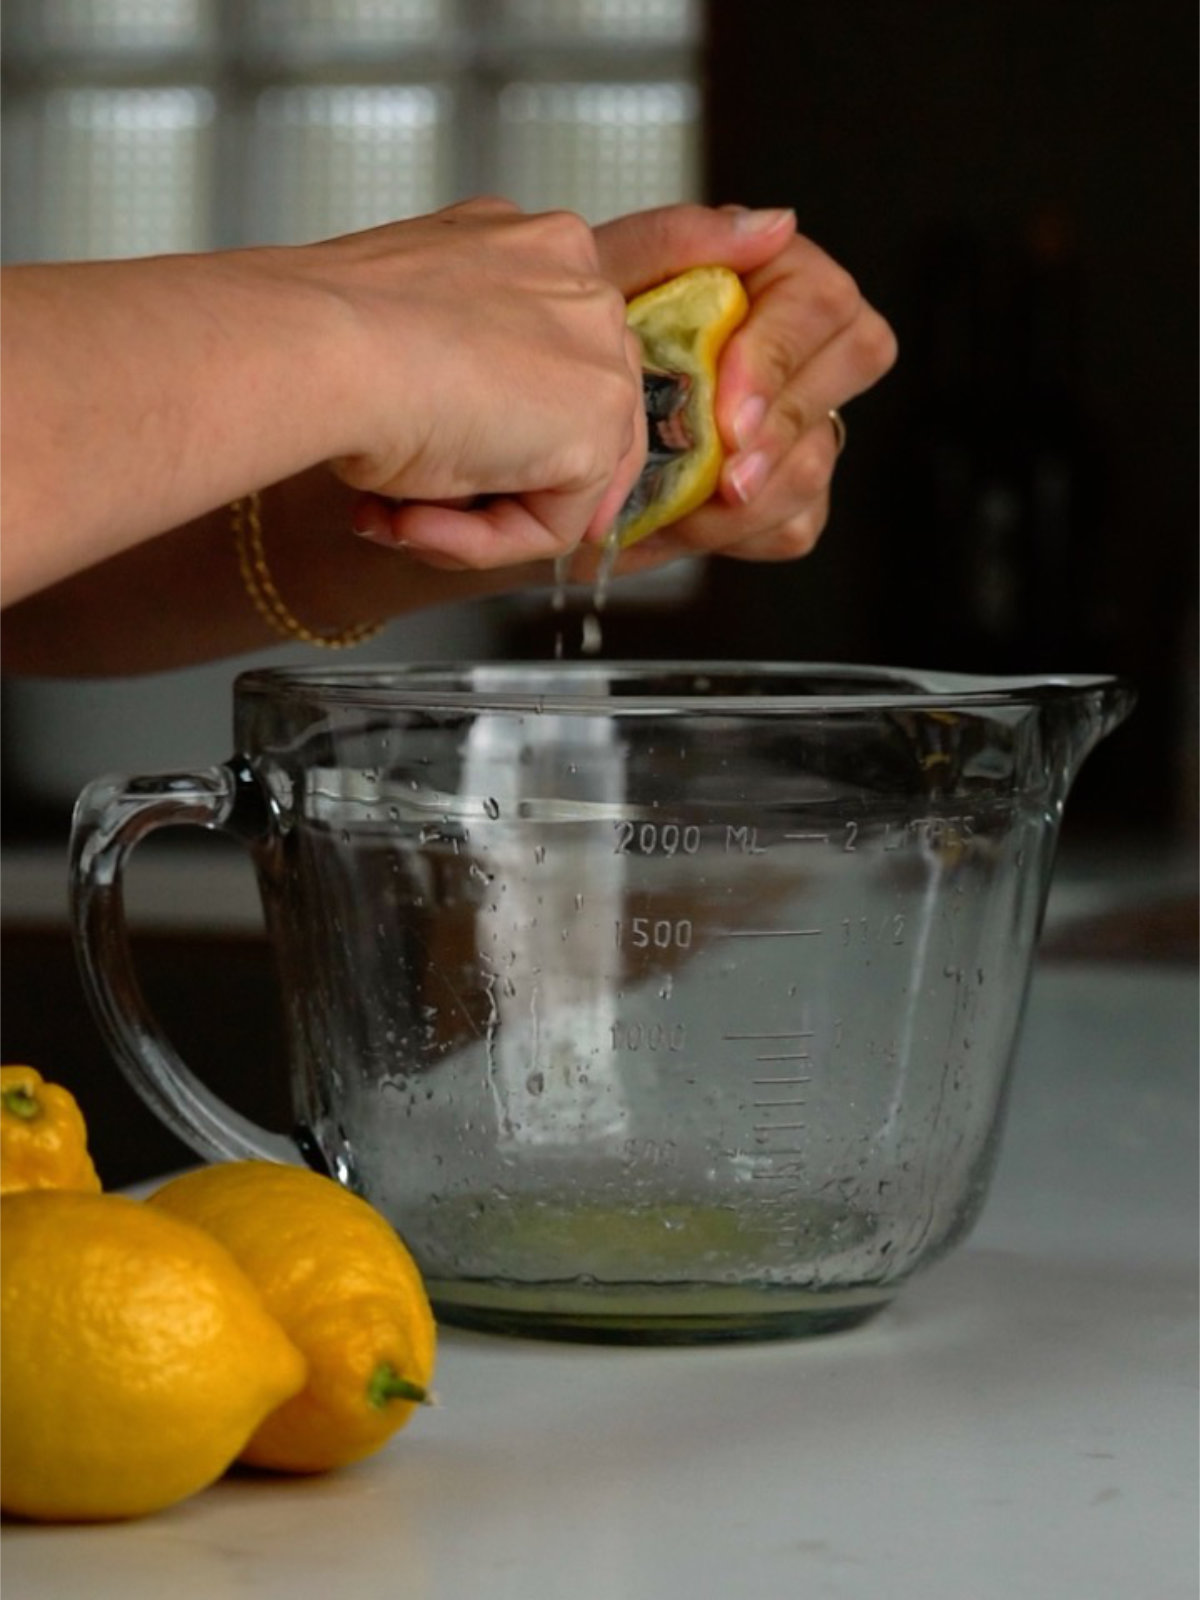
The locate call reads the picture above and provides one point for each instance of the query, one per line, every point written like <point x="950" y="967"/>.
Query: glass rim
<point x="773" y="688"/>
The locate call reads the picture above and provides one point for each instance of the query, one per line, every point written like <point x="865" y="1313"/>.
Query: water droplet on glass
<point x="492" y="807"/>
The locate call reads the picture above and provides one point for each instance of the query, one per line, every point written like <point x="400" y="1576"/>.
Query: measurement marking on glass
<point x="768" y="933"/>
<point x="808" y="838"/>
<point x="762" y="1083"/>
<point x="796" y="1033"/>
<point x="779" y="1127"/>
<point x="790" y="1055"/>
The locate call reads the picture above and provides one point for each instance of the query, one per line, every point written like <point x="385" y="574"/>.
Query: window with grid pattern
<point x="134" y="126"/>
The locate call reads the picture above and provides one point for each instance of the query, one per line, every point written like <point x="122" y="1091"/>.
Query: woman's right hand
<point x="501" y="416"/>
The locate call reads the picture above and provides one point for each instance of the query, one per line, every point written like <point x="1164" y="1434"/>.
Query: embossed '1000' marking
<point x="651" y="1036"/>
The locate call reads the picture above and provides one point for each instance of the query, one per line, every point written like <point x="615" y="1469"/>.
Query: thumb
<point x="648" y="247"/>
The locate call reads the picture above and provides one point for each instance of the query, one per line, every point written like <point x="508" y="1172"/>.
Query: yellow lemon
<point x="136" y="1357"/>
<point x="43" y="1139"/>
<point x="682" y="326"/>
<point x="338" y="1279"/>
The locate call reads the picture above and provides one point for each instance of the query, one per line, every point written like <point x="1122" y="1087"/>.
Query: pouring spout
<point x="1074" y="723"/>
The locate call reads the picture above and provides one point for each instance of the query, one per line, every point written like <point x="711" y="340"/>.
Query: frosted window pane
<point x="106" y="27"/>
<point x="313" y="29"/>
<point x="613" y="21"/>
<point x="328" y="160"/>
<point x="600" y="149"/>
<point x="119" y="172"/>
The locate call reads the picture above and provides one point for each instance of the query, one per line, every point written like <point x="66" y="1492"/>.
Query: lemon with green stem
<point x="339" y="1280"/>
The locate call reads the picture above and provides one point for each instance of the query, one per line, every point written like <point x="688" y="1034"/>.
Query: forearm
<point x="138" y="395"/>
<point x="179" y="599"/>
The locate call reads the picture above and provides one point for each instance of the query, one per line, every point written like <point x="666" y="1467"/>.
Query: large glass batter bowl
<point x="652" y="1002"/>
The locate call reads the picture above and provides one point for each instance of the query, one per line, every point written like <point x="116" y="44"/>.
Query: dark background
<point x="1013" y="183"/>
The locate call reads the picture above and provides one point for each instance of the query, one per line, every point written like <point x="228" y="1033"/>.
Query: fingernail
<point x="762" y="221"/>
<point x="371" y="521"/>
<point x="748" y="419"/>
<point x="443" y="563"/>
<point x="748" y="474"/>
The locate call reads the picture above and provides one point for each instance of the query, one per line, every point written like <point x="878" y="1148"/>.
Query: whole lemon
<point x="136" y="1357"/>
<point x="43" y="1137"/>
<point x="338" y="1279"/>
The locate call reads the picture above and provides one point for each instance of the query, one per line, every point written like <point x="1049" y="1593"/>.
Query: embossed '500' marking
<point x="656" y="933"/>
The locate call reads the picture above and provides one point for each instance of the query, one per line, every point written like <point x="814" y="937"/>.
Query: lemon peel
<point x="682" y="326"/>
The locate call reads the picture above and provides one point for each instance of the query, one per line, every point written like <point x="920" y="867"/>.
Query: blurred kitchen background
<point x="1012" y="182"/>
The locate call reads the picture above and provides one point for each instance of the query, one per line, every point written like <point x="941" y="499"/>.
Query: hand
<point x="514" y="376"/>
<point x="809" y="344"/>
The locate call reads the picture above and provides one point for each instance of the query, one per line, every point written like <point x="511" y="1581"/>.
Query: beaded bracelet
<point x="266" y="598"/>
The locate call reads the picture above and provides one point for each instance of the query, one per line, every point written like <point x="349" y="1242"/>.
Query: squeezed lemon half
<point x="683" y="325"/>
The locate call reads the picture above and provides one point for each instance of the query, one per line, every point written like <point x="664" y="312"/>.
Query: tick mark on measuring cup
<point x="795" y="1033"/>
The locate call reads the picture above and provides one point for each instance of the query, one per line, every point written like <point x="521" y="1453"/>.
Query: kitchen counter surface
<point x="1023" y="1421"/>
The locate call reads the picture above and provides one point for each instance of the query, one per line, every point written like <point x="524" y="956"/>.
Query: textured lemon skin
<point x="44" y="1145"/>
<point x="136" y="1358"/>
<point x="682" y="326"/>
<point x="339" y="1280"/>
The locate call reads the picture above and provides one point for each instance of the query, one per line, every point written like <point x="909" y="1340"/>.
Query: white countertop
<point x="1023" y="1422"/>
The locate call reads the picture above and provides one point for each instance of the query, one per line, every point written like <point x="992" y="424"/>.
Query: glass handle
<point x="113" y="815"/>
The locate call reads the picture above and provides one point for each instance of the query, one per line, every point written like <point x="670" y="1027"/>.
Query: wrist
<point x="363" y="351"/>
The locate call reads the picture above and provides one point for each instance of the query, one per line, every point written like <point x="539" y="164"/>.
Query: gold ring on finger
<point x="839" y="431"/>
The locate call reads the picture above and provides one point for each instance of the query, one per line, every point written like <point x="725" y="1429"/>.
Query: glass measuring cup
<point x="655" y="1002"/>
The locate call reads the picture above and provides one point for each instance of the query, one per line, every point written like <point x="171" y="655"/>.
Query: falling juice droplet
<point x="604" y="572"/>
<point x="562" y="571"/>
<point x="593" y="637"/>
